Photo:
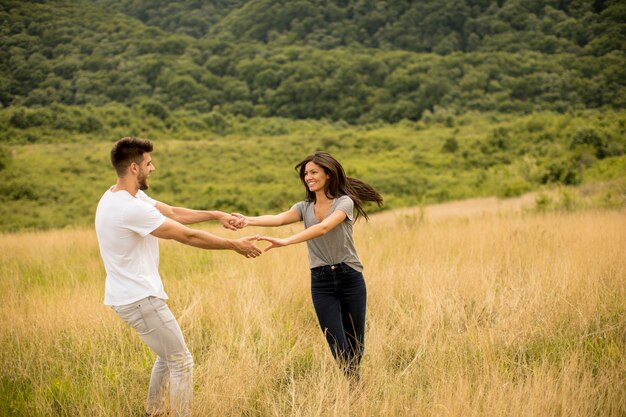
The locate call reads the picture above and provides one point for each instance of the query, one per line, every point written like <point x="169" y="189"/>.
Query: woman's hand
<point x="238" y="220"/>
<point x="229" y="222"/>
<point x="274" y="242"/>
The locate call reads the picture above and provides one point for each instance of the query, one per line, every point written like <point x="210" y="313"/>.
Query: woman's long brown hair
<point x="339" y="183"/>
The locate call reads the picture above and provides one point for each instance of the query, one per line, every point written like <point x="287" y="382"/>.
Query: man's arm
<point x="189" y="216"/>
<point x="171" y="229"/>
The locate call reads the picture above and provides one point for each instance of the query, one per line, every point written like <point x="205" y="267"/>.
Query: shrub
<point x="23" y="119"/>
<point x="561" y="171"/>
<point x="154" y="108"/>
<point x="589" y="136"/>
<point x="217" y="122"/>
<point x="451" y="145"/>
<point x="543" y="203"/>
<point x="89" y="124"/>
<point x="18" y="119"/>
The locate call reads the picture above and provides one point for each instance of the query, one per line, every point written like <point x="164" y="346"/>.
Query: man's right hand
<point x="238" y="220"/>
<point x="245" y="247"/>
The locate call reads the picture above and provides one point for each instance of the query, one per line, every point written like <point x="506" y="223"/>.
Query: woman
<point x="337" y="285"/>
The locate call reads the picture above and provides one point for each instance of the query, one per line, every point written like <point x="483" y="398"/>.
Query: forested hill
<point x="439" y="26"/>
<point x="190" y="17"/>
<point x="358" y="61"/>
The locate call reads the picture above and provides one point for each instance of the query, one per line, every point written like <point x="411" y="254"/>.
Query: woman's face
<point x="315" y="177"/>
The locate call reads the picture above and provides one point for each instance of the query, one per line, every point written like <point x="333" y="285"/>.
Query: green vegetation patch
<point x="52" y="177"/>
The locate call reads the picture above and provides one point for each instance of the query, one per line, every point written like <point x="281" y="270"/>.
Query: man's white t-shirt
<point x="130" y="253"/>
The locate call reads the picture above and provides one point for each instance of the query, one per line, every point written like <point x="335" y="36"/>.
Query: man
<point x="128" y="223"/>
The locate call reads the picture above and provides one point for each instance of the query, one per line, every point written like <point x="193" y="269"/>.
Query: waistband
<point x="336" y="267"/>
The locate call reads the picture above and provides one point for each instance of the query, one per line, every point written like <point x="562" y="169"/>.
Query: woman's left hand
<point x="274" y="242"/>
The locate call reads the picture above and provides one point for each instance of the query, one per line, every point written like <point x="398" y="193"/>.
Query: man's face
<point x="145" y="169"/>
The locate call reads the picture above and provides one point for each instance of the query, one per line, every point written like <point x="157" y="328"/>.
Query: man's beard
<point x="143" y="182"/>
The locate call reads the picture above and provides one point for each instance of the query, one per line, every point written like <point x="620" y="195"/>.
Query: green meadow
<point x="484" y="307"/>
<point x="51" y="176"/>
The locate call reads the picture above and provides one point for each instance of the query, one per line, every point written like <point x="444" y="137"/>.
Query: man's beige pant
<point x="158" y="328"/>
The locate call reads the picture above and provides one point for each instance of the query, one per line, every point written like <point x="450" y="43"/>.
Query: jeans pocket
<point x="162" y="311"/>
<point x="320" y="280"/>
<point x="353" y="279"/>
<point x="317" y="273"/>
<point x="133" y="316"/>
<point x="121" y="310"/>
<point x="350" y="272"/>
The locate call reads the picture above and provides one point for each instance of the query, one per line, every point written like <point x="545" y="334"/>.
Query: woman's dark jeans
<point x="339" y="298"/>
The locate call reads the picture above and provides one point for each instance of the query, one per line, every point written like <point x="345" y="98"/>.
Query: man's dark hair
<point x="128" y="150"/>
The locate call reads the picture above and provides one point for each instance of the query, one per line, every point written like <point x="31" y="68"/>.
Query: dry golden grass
<point x="474" y="309"/>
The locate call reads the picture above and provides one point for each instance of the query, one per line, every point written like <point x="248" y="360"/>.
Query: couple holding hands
<point x="129" y="223"/>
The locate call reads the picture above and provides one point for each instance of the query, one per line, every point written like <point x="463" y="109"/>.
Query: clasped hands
<point x="245" y="245"/>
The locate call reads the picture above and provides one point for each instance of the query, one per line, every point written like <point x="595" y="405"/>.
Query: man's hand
<point x="238" y="220"/>
<point x="231" y="222"/>
<point x="245" y="247"/>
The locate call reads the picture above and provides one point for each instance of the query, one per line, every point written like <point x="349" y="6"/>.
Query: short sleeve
<point x="299" y="207"/>
<point x="143" y="218"/>
<point x="346" y="205"/>
<point x="144" y="197"/>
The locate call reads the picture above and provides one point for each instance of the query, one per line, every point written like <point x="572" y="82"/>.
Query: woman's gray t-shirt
<point x="336" y="246"/>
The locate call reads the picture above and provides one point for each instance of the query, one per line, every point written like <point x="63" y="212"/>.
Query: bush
<point x="89" y="124"/>
<point x="217" y="122"/>
<point x="19" y="190"/>
<point x="23" y="119"/>
<point x="569" y="201"/>
<point x="154" y="108"/>
<point x="451" y="145"/>
<point x="543" y="203"/>
<point x="562" y="171"/>
<point x="588" y="136"/>
<point x="18" y="119"/>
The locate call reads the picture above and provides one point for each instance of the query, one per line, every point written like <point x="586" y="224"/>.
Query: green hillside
<point x="439" y="26"/>
<point x="248" y="165"/>
<point x="80" y="53"/>
<point x="427" y="100"/>
<point x="190" y="17"/>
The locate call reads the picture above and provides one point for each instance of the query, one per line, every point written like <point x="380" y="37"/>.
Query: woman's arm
<point x="312" y="232"/>
<point x="272" y="220"/>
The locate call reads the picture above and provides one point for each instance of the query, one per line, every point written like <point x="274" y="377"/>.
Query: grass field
<point x="478" y="308"/>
